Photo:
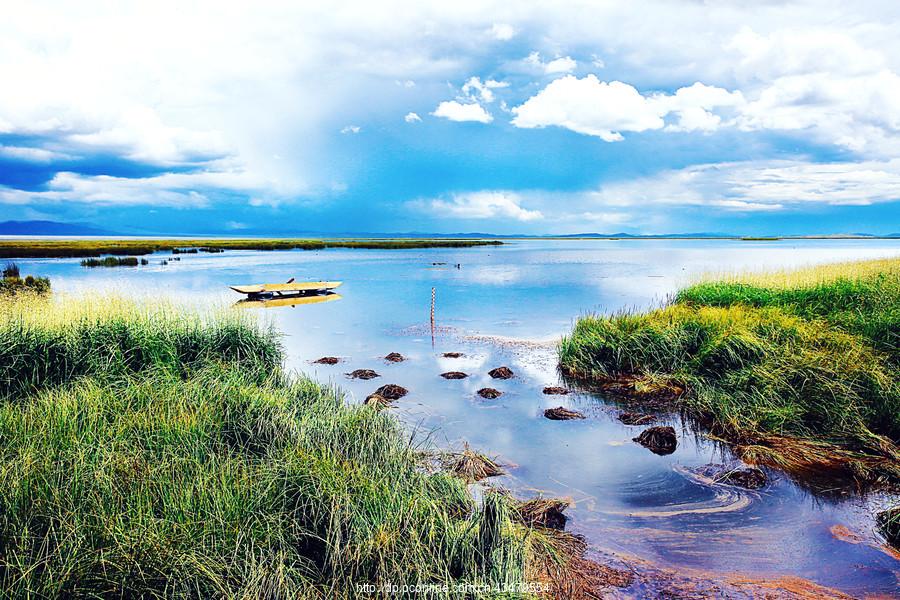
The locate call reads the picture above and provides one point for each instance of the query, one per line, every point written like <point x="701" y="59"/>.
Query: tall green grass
<point x="48" y="342"/>
<point x="224" y="486"/>
<point x="815" y="358"/>
<point x="153" y="453"/>
<point x="867" y="304"/>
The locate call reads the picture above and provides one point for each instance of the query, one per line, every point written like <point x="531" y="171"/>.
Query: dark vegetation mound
<point x="365" y="374"/>
<point x="501" y="373"/>
<point x="750" y="478"/>
<point x="489" y="393"/>
<point x="635" y="418"/>
<point x="454" y="375"/>
<point x="392" y="391"/>
<point x="658" y="440"/>
<point x="394" y="357"/>
<point x="453" y="355"/>
<point x="543" y="512"/>
<point x="554" y="390"/>
<point x="470" y="466"/>
<point x="327" y="360"/>
<point x="562" y="414"/>
<point x="377" y="401"/>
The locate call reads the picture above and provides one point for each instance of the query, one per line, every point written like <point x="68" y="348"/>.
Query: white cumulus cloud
<point x="564" y="64"/>
<point x="605" y="109"/>
<point x="475" y="88"/>
<point x="589" y="106"/>
<point x="412" y="117"/>
<point x="457" y="111"/>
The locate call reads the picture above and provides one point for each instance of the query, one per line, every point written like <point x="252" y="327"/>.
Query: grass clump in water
<point x="12" y="282"/>
<point x="810" y="356"/>
<point x="114" y="261"/>
<point x="161" y="454"/>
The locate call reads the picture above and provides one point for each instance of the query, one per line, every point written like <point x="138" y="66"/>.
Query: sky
<point x="525" y="117"/>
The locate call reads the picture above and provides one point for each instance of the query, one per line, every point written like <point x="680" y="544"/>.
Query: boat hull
<point x="285" y="288"/>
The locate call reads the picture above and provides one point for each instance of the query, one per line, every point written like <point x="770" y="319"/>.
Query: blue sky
<point x="453" y="117"/>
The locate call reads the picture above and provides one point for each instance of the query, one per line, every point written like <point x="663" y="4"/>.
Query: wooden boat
<point x="294" y="300"/>
<point x="291" y="287"/>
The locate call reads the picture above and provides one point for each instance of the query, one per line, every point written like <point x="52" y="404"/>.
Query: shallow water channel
<point x="507" y="305"/>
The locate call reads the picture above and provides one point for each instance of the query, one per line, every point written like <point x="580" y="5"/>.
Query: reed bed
<point x="156" y="453"/>
<point x="46" y="341"/>
<point x="119" y="247"/>
<point x="813" y="356"/>
<point x="113" y="261"/>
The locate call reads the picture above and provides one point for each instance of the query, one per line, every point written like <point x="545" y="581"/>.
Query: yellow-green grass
<point x="29" y="285"/>
<point x="810" y="355"/>
<point x="158" y="453"/>
<point x="59" y="248"/>
<point x="861" y="298"/>
<point x="49" y="341"/>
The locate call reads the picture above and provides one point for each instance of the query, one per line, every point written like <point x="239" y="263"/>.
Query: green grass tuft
<point x="156" y="453"/>
<point x="813" y="359"/>
<point x="45" y="342"/>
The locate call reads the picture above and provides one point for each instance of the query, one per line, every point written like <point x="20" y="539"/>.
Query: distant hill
<point x="50" y="228"/>
<point x="703" y="234"/>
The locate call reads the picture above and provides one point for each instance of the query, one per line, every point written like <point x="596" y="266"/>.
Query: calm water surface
<point x="506" y="306"/>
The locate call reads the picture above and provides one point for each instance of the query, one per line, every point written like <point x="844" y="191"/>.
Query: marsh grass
<point x="114" y="261"/>
<point x="158" y="453"/>
<point x="12" y="283"/>
<point x="86" y="248"/>
<point x="812" y="355"/>
<point x="222" y="485"/>
<point x="47" y="341"/>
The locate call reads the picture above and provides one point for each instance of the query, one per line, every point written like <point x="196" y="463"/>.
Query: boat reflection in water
<point x="287" y="300"/>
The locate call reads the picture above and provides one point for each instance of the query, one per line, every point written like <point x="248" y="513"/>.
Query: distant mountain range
<point x="87" y="229"/>
<point x="50" y="228"/>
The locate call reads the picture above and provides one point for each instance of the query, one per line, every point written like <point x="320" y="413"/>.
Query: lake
<point x="506" y="306"/>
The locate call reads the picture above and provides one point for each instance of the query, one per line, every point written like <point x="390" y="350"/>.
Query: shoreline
<point x="94" y="247"/>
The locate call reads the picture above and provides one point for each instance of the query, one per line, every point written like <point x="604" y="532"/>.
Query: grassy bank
<point x="158" y="453"/>
<point x="13" y="284"/>
<point x="797" y="369"/>
<point x="61" y="248"/>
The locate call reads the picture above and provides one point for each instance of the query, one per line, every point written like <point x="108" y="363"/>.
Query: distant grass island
<point x="82" y="248"/>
